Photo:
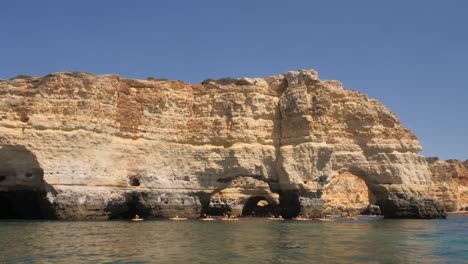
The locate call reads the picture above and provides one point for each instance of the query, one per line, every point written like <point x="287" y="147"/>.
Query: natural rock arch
<point x="396" y="200"/>
<point x="233" y="195"/>
<point x="289" y="130"/>
<point x="347" y="194"/>
<point x="260" y="206"/>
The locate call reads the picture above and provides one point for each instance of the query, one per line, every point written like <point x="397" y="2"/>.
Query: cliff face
<point x="450" y="183"/>
<point x="99" y="147"/>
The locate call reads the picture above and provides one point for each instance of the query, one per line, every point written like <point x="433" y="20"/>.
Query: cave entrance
<point x="290" y="204"/>
<point x="260" y="206"/>
<point x="130" y="208"/>
<point x="25" y="204"/>
<point x="218" y="209"/>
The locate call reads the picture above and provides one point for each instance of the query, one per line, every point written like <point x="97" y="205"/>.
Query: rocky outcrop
<point x="450" y="183"/>
<point x="103" y="147"/>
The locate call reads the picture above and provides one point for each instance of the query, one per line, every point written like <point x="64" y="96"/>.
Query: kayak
<point x="137" y="219"/>
<point x="301" y="219"/>
<point x="324" y="219"/>
<point x="275" y="218"/>
<point x="228" y="219"/>
<point x="178" y="218"/>
<point x="206" y="219"/>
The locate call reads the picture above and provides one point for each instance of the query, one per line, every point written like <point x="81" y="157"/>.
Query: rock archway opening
<point x="357" y="193"/>
<point x="25" y="204"/>
<point x="260" y="206"/>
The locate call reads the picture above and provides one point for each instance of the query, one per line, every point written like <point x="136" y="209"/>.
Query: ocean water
<point x="249" y="240"/>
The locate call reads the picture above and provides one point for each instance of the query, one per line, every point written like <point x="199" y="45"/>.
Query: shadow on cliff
<point x="23" y="191"/>
<point x="260" y="206"/>
<point x="131" y="205"/>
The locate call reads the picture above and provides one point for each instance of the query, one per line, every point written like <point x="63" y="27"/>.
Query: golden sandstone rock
<point x="100" y="147"/>
<point x="450" y="183"/>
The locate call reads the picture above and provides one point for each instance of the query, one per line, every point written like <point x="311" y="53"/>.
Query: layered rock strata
<point x="450" y="183"/>
<point x="100" y="147"/>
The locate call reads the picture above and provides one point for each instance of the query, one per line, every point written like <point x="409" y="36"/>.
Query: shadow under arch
<point x="23" y="191"/>
<point x="260" y="206"/>
<point x="233" y="193"/>
<point x="395" y="203"/>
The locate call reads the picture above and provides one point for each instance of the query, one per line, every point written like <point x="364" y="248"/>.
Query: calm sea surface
<point x="249" y="240"/>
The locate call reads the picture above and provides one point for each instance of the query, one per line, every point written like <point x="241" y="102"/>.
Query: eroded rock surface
<point x="109" y="147"/>
<point x="450" y="183"/>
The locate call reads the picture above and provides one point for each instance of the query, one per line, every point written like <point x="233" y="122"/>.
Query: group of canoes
<point x="218" y="218"/>
<point x="224" y="218"/>
<point x="269" y="218"/>
<point x="228" y="218"/>
<point x="177" y="218"/>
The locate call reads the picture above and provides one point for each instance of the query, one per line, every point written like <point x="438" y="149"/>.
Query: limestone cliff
<point x="450" y="183"/>
<point x="100" y="147"/>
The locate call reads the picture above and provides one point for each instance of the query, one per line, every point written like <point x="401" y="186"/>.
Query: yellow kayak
<point x="137" y="219"/>
<point x="325" y="219"/>
<point x="275" y="218"/>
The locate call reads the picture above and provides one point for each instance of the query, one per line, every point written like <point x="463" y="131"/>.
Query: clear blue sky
<point x="410" y="55"/>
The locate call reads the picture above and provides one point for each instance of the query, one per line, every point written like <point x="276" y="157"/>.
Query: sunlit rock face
<point x="450" y="183"/>
<point x="111" y="147"/>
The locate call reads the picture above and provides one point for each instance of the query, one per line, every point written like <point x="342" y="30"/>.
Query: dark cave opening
<point x="25" y="204"/>
<point x="134" y="181"/>
<point x="259" y="206"/>
<point x="130" y="209"/>
<point x="290" y="204"/>
<point x="218" y="209"/>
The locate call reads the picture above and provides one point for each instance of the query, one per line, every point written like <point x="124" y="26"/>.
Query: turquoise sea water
<point x="250" y="240"/>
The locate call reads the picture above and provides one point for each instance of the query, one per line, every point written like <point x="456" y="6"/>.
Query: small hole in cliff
<point x="28" y="175"/>
<point x="134" y="182"/>
<point x="2" y="178"/>
<point x="24" y="119"/>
